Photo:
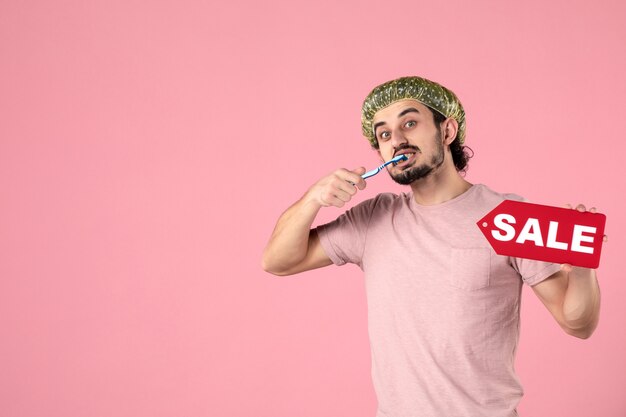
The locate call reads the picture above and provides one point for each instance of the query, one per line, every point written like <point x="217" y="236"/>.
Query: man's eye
<point x="384" y="135"/>
<point x="410" y="124"/>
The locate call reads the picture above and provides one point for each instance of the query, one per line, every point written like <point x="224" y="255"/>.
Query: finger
<point x="580" y="207"/>
<point x="329" y="197"/>
<point x="361" y="184"/>
<point x="337" y="202"/>
<point x="345" y="186"/>
<point x="342" y="195"/>
<point x="332" y="200"/>
<point x="567" y="206"/>
<point x="354" y="177"/>
<point x="566" y="267"/>
<point x="359" y="171"/>
<point x="592" y="210"/>
<point x="605" y="238"/>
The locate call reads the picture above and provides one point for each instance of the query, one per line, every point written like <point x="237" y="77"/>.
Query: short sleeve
<point x="343" y="239"/>
<point x="533" y="272"/>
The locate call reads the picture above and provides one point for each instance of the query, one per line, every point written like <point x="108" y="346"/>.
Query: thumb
<point x="359" y="170"/>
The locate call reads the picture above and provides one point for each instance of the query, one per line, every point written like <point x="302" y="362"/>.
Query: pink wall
<point x="147" y="149"/>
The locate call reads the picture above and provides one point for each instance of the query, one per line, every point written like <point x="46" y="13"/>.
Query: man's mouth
<point x="410" y="155"/>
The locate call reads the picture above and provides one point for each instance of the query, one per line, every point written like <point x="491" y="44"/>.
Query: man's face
<point x="407" y="127"/>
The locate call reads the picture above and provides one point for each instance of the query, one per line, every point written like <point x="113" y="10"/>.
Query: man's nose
<point x="397" y="139"/>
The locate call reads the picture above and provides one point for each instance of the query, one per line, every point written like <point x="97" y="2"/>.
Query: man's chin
<point x="411" y="175"/>
<point x="402" y="180"/>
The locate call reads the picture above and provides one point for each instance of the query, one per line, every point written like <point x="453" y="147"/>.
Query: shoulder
<point x="380" y="204"/>
<point x="380" y="201"/>
<point x="488" y="194"/>
<point x="391" y="201"/>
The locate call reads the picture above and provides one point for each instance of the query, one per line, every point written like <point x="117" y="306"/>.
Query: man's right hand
<point x="337" y="188"/>
<point x="294" y="247"/>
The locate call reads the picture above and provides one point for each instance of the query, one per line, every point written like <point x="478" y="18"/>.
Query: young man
<point x="443" y="307"/>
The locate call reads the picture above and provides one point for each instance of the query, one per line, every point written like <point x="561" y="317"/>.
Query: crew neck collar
<point x="447" y="203"/>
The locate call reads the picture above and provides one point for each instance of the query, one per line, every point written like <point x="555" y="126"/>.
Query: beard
<point x="415" y="173"/>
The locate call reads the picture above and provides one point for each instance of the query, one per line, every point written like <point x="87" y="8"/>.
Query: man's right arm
<point x="293" y="246"/>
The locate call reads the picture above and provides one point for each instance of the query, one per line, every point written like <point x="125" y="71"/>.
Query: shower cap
<point x="427" y="92"/>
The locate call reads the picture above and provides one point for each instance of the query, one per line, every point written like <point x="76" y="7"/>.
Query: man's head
<point x="412" y="113"/>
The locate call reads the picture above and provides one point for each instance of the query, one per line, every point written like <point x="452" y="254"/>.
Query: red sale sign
<point x="545" y="233"/>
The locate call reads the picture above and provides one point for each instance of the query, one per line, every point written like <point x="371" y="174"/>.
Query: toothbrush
<point x="377" y="170"/>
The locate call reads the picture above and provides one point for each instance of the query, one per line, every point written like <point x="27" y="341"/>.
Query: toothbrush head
<point x="398" y="159"/>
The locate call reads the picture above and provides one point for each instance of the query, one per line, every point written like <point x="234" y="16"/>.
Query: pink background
<point x="147" y="149"/>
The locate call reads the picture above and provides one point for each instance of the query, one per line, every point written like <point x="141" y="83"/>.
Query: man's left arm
<point x="572" y="295"/>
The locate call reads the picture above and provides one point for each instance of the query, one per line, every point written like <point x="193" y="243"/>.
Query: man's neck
<point x="439" y="187"/>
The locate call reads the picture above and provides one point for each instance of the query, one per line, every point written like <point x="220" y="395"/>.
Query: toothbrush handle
<point x="377" y="170"/>
<point x="370" y="173"/>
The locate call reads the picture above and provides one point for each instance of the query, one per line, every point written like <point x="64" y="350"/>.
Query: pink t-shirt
<point x="443" y="307"/>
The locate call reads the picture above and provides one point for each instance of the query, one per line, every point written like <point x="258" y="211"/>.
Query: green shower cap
<point x="427" y="92"/>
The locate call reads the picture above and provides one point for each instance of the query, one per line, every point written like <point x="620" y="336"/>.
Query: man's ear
<point x="450" y="128"/>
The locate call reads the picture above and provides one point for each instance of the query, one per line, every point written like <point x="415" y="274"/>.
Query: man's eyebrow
<point x="409" y="110"/>
<point x="402" y="113"/>
<point x="377" y="125"/>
